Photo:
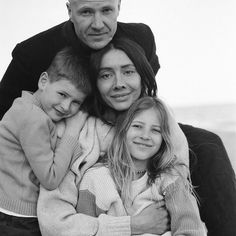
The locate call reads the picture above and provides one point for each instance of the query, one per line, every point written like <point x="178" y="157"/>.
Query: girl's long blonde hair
<point x="119" y="159"/>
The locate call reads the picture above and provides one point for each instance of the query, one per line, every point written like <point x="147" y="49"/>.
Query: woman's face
<point x="118" y="82"/>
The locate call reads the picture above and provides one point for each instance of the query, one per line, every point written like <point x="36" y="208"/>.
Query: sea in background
<point x="220" y="119"/>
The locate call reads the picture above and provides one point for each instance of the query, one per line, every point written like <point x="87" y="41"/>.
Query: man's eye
<point x="86" y="12"/>
<point x="107" y="10"/>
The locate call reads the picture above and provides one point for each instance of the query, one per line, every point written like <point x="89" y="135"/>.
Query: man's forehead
<point x="95" y="1"/>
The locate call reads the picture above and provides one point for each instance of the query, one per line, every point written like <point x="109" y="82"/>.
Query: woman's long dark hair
<point x="136" y="54"/>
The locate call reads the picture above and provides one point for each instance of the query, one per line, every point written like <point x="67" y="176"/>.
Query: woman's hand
<point x="153" y="219"/>
<point x="75" y="123"/>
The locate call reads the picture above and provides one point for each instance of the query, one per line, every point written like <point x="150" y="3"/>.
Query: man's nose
<point x="97" y="22"/>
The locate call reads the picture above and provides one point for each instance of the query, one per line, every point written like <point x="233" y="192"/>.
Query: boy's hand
<point x="60" y="128"/>
<point x="75" y="123"/>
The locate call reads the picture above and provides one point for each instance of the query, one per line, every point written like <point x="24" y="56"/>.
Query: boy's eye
<point x="62" y="94"/>
<point x="77" y="103"/>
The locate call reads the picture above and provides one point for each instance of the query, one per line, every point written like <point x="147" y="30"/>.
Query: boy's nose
<point x="65" y="105"/>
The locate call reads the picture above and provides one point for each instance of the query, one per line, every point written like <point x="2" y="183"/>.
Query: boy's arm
<point x="49" y="161"/>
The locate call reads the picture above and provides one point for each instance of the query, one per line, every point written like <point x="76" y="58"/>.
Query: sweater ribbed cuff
<point x="115" y="226"/>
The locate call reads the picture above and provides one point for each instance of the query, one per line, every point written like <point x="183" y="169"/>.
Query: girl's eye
<point x="156" y="131"/>
<point x="136" y="126"/>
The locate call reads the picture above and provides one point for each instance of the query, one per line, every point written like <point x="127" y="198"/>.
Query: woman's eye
<point x="129" y="72"/>
<point x="105" y="76"/>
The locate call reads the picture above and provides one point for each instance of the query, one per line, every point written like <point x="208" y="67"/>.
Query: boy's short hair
<point x="68" y="66"/>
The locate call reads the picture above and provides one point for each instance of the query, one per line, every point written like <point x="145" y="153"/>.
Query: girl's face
<point x="118" y="82"/>
<point x="144" y="137"/>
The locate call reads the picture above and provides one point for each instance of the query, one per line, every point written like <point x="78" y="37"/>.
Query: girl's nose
<point x="145" y="134"/>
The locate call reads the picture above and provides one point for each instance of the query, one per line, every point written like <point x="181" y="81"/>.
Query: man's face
<point x="95" y="21"/>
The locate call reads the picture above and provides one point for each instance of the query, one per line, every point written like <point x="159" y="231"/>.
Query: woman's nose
<point x="119" y="81"/>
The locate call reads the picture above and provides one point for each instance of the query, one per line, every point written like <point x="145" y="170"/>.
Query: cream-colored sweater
<point x="98" y="195"/>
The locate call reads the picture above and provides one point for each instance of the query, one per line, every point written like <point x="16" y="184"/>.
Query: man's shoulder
<point x="52" y="33"/>
<point x="50" y="40"/>
<point x="135" y="28"/>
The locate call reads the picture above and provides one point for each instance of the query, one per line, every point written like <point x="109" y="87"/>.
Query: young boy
<point x="29" y="148"/>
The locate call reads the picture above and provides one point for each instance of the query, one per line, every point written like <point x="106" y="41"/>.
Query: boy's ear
<point x="43" y="81"/>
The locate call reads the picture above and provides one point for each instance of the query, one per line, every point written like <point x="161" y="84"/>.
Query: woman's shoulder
<point x="97" y="171"/>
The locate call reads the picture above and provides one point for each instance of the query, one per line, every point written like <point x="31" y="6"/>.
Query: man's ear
<point x="68" y="5"/>
<point x="43" y="81"/>
<point x="119" y="5"/>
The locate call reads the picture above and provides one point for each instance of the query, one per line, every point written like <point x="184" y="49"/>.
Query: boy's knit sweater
<point x="29" y="150"/>
<point x="98" y="195"/>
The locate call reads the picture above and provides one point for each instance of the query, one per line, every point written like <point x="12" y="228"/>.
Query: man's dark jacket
<point x="211" y="170"/>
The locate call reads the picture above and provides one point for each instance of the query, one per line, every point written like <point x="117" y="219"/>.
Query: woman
<point x="113" y="95"/>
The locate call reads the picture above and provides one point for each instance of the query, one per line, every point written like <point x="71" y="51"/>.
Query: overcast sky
<point x="196" y="42"/>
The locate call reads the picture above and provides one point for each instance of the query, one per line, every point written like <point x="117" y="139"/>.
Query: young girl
<point x="141" y="169"/>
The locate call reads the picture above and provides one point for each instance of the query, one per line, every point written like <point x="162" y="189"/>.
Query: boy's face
<point x="59" y="99"/>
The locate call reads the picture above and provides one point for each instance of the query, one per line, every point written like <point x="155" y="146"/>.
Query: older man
<point x="92" y="24"/>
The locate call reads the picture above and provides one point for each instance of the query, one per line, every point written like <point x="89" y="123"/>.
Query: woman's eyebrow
<point x="127" y="65"/>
